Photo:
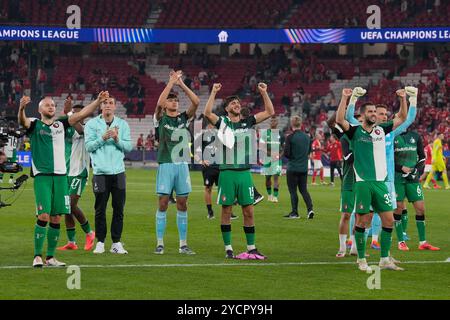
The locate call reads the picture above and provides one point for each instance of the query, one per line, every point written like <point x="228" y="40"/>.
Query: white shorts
<point x="427" y="168"/>
<point x="317" y="164"/>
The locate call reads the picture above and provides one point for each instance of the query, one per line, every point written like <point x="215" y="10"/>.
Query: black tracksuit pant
<point x="298" y="180"/>
<point x="104" y="186"/>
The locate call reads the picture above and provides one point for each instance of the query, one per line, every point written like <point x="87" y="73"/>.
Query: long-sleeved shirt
<point x="107" y="156"/>
<point x="390" y="137"/>
<point x="296" y="149"/>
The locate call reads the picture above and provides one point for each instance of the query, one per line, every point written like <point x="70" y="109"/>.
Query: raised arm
<point x="400" y="116"/>
<point x="89" y="109"/>
<point x="411" y="115"/>
<point x="340" y="114"/>
<point x="67" y="105"/>
<point x="174" y="76"/>
<point x="268" y="106"/>
<point x="21" y="116"/>
<point x="212" y="117"/>
<point x="350" y="113"/>
<point x="195" y="101"/>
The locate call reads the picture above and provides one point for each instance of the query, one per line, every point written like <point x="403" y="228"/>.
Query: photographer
<point x="10" y="149"/>
<point x="2" y="157"/>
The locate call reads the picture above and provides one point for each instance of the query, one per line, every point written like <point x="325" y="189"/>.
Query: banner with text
<point x="142" y="35"/>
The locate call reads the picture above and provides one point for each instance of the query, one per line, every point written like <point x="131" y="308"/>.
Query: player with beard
<point x="370" y="167"/>
<point x="47" y="137"/>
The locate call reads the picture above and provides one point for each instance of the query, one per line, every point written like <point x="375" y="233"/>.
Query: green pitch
<point x="301" y="264"/>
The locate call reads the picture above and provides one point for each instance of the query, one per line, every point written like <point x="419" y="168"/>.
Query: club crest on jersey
<point x="412" y="140"/>
<point x="377" y="131"/>
<point x="56" y="125"/>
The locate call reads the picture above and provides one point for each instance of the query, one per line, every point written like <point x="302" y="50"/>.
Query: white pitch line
<point x="190" y="265"/>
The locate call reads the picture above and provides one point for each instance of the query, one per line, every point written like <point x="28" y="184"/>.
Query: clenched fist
<point x="24" y="101"/>
<point x="262" y="87"/>
<point x="216" y="87"/>
<point x="346" y="92"/>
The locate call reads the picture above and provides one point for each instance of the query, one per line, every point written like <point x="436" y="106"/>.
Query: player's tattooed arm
<point x="268" y="106"/>
<point x="21" y="117"/>
<point x="212" y="117"/>
<point x="160" y="105"/>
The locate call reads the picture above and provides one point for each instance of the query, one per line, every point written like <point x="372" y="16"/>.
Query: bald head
<point x="47" y="108"/>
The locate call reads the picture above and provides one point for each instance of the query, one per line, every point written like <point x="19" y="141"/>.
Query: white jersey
<point x="11" y="147"/>
<point x="79" y="157"/>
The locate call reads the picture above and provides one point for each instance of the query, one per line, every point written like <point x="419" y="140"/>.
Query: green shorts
<point x="347" y="201"/>
<point x="52" y="195"/>
<point x="373" y="193"/>
<point x="412" y="191"/>
<point x="76" y="185"/>
<point x="235" y="184"/>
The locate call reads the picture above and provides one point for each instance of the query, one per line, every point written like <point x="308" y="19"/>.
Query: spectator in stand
<point x="41" y="79"/>
<point x="104" y="81"/>
<point x="80" y="83"/>
<point x="129" y="107"/>
<point x="196" y="85"/>
<point x="286" y="103"/>
<point x="188" y="81"/>
<point x="307" y="105"/>
<point x="334" y="150"/>
<point x="203" y="77"/>
<point x="322" y="117"/>
<point x="257" y="52"/>
<point x="149" y="142"/>
<point x="140" y="106"/>
<point x="140" y="142"/>
<point x="140" y="91"/>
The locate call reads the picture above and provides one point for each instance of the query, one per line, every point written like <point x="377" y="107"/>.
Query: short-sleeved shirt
<point x="406" y="153"/>
<point x="11" y="147"/>
<point x="48" y="146"/>
<point x="241" y="158"/>
<point x="166" y="127"/>
<point x="348" y="173"/>
<point x="273" y="141"/>
<point x="428" y="153"/>
<point x="317" y="150"/>
<point x="77" y="157"/>
<point x="369" y="151"/>
<point x="437" y="151"/>
<point x="209" y="146"/>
